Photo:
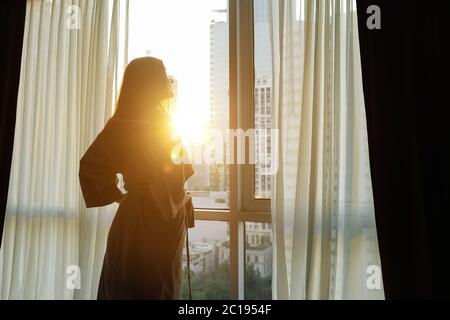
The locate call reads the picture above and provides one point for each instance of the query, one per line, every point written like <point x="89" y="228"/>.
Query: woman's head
<point x="145" y="84"/>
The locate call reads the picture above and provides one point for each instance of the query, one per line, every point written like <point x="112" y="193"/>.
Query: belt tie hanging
<point x="188" y="259"/>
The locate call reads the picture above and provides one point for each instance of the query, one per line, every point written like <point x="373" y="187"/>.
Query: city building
<point x="203" y="256"/>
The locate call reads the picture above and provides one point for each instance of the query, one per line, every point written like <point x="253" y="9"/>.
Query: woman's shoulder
<point x="155" y="117"/>
<point x="161" y="116"/>
<point x="158" y="123"/>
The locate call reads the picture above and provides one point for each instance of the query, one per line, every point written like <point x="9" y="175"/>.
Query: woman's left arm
<point x="98" y="176"/>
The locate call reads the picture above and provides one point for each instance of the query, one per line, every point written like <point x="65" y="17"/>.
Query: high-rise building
<point x="262" y="98"/>
<point x="219" y="95"/>
<point x="219" y="107"/>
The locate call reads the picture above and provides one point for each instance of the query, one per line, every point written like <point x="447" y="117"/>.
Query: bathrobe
<point x="143" y="258"/>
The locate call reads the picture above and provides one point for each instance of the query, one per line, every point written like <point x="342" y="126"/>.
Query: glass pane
<point x="258" y="261"/>
<point x="209" y="261"/>
<point x="262" y="98"/>
<point x="191" y="37"/>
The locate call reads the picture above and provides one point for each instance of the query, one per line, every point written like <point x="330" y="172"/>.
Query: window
<point x="230" y="247"/>
<point x="209" y="251"/>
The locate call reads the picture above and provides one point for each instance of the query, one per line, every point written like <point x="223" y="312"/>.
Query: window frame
<point x="243" y="205"/>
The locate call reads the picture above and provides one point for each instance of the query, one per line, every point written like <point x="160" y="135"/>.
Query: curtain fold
<point x="12" y="21"/>
<point x="323" y="218"/>
<point x="70" y="63"/>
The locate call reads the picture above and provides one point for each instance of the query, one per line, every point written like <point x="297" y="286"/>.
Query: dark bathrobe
<point x="143" y="259"/>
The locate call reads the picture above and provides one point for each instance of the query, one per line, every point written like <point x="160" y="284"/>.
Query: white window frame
<point x="243" y="206"/>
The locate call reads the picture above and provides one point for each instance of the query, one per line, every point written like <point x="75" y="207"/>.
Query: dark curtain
<point x="406" y="86"/>
<point x="12" y="22"/>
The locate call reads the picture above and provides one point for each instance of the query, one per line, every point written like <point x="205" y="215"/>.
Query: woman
<point x="143" y="258"/>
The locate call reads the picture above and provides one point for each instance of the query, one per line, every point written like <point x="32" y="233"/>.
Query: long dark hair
<point x="145" y="85"/>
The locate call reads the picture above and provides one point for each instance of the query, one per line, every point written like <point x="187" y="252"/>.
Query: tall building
<point x="258" y="248"/>
<point x="219" y="95"/>
<point x="263" y="125"/>
<point x="219" y="75"/>
<point x="219" y="107"/>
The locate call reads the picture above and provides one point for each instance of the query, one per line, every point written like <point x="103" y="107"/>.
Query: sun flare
<point x="183" y="43"/>
<point x="189" y="127"/>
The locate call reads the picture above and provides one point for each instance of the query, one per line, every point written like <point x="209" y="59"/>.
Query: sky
<point x="211" y="230"/>
<point x="177" y="32"/>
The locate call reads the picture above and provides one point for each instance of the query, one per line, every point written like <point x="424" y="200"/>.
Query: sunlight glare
<point x="177" y="32"/>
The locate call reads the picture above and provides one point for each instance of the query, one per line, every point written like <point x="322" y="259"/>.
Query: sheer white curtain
<point x="323" y="216"/>
<point x="70" y="70"/>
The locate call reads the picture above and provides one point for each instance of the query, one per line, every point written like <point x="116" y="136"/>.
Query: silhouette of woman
<point x="143" y="258"/>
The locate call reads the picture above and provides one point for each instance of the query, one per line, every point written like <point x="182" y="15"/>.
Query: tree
<point x="256" y="287"/>
<point x="213" y="285"/>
